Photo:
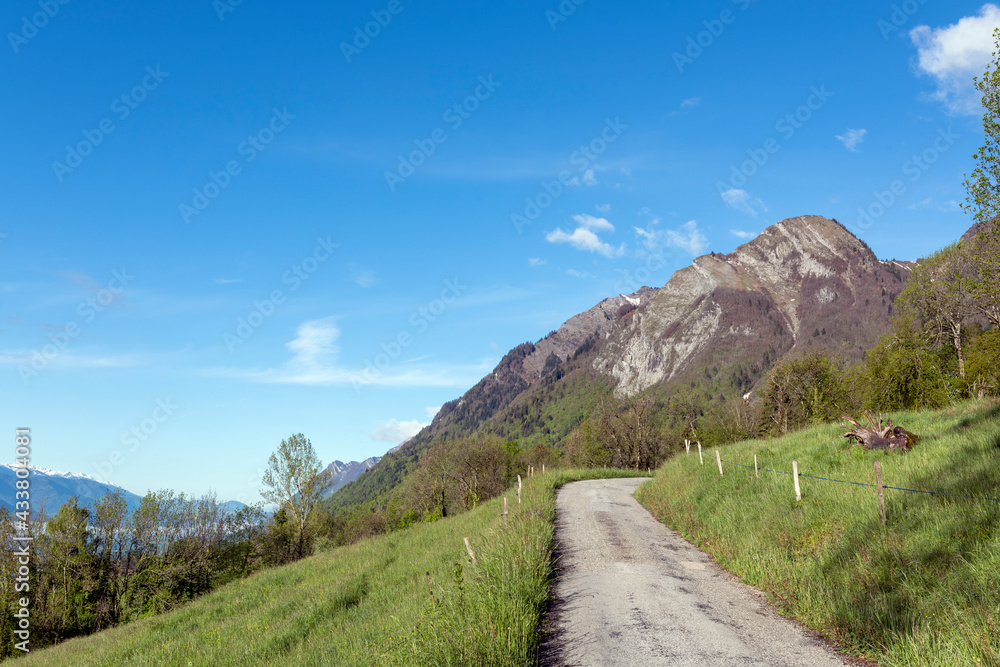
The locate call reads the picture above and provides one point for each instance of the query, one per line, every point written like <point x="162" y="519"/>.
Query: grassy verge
<point x="408" y="598"/>
<point x="922" y="590"/>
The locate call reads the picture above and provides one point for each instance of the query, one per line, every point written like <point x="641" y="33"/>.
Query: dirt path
<point x="632" y="592"/>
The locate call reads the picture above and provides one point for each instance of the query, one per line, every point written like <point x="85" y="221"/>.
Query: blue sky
<point x="227" y="223"/>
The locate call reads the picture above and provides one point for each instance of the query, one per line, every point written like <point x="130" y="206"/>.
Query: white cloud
<point x="585" y="238"/>
<point x="432" y="411"/>
<point x="739" y="233"/>
<point x="743" y="201"/>
<point x="603" y="208"/>
<point x="589" y="179"/>
<point x="313" y="361"/>
<point x="949" y="206"/>
<point x="396" y="431"/>
<point x="956" y="53"/>
<point x="577" y="274"/>
<point x="685" y="105"/>
<point x="852" y="139"/>
<point x="535" y="261"/>
<point x="362" y="277"/>
<point x="592" y="223"/>
<point x="687" y="237"/>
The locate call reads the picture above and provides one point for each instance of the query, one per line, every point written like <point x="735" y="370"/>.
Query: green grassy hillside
<point x="409" y="598"/>
<point x="922" y="590"/>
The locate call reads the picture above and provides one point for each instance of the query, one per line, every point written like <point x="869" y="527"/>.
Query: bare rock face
<point x="803" y="282"/>
<point x="593" y="323"/>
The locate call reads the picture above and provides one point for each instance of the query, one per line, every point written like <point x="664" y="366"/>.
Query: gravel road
<point x="631" y="591"/>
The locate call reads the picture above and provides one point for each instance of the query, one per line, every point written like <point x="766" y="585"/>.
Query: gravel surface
<point x="631" y="591"/>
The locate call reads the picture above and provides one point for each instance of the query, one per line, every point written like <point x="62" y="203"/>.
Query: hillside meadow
<point x="923" y="589"/>
<point x="412" y="597"/>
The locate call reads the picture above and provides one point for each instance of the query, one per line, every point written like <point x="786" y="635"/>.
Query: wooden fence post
<point x="505" y="511"/>
<point x="878" y="484"/>
<point x="468" y="547"/>
<point x="700" y="457"/>
<point x="756" y="471"/>
<point x="718" y="459"/>
<point x="518" y="489"/>
<point x="795" y="474"/>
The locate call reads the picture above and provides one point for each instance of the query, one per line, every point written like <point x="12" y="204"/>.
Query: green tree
<point x="937" y="297"/>
<point x="71" y="567"/>
<point x="983" y="185"/>
<point x="805" y="390"/>
<point x="983" y="196"/>
<point x="295" y="480"/>
<point x="901" y="374"/>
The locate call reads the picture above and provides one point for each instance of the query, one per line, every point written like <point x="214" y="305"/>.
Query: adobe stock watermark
<point x="914" y="168"/>
<point x="562" y="13"/>
<point x="88" y="310"/>
<point x="419" y="321"/>
<point x="381" y="18"/>
<point x="901" y="13"/>
<point x="121" y="107"/>
<point x="136" y="435"/>
<point x="714" y="28"/>
<point x="263" y="310"/>
<point x="786" y="126"/>
<point x="454" y="116"/>
<point x="37" y="21"/>
<point x="223" y="7"/>
<point x="583" y="158"/>
<point x="249" y="149"/>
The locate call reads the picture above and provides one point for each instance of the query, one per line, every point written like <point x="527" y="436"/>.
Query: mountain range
<point x="50" y="489"/>
<point x="345" y="473"/>
<point x="712" y="332"/>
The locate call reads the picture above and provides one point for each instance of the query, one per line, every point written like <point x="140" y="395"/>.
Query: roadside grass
<point x="922" y="590"/>
<point x="412" y="597"/>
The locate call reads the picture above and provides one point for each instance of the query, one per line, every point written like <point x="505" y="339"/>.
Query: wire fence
<point x="842" y="481"/>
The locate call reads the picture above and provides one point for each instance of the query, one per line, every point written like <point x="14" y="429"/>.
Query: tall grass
<point x="408" y="598"/>
<point x="922" y="590"/>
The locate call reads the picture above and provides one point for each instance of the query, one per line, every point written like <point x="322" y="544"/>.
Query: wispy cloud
<point x="72" y="359"/>
<point x="314" y="361"/>
<point x="949" y="206"/>
<point x="603" y="208"/>
<point x="585" y="237"/>
<point x="852" y="139"/>
<point x="589" y="179"/>
<point x="577" y="274"/>
<point x="535" y="261"/>
<point x="743" y="201"/>
<point x="396" y="431"/>
<point x="739" y="233"/>
<point x="686" y="105"/>
<point x="952" y="55"/>
<point x="363" y="277"/>
<point x="687" y="237"/>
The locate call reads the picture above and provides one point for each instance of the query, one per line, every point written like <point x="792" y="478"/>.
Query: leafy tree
<point x="295" y="480"/>
<point x="983" y="198"/>
<point x="937" y="297"/>
<point x="801" y="391"/>
<point x="71" y="567"/>
<point x="983" y="186"/>
<point x="983" y="367"/>
<point x="901" y="374"/>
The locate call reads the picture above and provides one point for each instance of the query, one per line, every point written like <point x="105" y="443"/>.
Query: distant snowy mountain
<point x="344" y="473"/>
<point x="50" y="489"/>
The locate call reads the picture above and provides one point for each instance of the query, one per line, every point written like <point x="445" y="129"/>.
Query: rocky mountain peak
<point x="766" y="297"/>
